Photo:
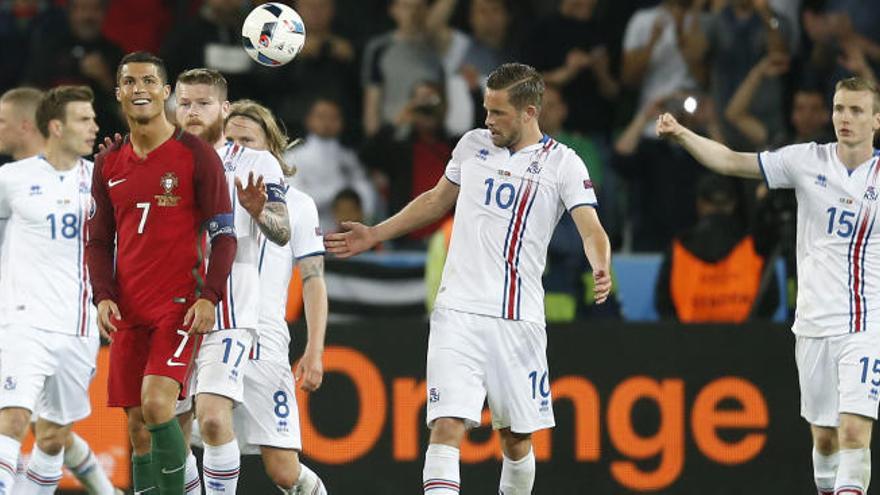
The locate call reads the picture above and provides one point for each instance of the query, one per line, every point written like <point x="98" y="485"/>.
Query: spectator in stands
<point x="346" y="207"/>
<point x="489" y="21"/>
<point x="839" y="27"/>
<point x="570" y="49"/>
<point x="740" y="35"/>
<point x="663" y="53"/>
<point x="18" y="21"/>
<point x="325" y="166"/>
<point x="325" y="69"/>
<point x="661" y="177"/>
<point x="77" y="53"/>
<point x="212" y="39"/>
<point x="713" y="271"/>
<point x="412" y="154"/>
<point x="19" y="136"/>
<point x="395" y="61"/>
<point x="748" y="115"/>
<point x="142" y="25"/>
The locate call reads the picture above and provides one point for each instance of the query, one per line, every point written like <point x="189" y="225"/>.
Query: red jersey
<point x="157" y="208"/>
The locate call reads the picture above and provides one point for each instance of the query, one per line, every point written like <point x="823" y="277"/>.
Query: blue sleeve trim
<point x="316" y="253"/>
<point x="450" y="180"/>
<point x="591" y="205"/>
<point x="222" y="224"/>
<point x="763" y="173"/>
<point x="275" y="193"/>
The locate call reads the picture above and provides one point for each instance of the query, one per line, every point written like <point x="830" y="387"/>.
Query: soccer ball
<point x="273" y="34"/>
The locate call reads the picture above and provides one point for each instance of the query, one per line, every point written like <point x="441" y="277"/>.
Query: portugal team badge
<point x="168" y="182"/>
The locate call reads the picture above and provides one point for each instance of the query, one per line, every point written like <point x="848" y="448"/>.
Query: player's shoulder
<point x="475" y="140"/>
<point x="810" y="152"/>
<point x="298" y="198"/>
<point x="237" y="157"/>
<point x="20" y="168"/>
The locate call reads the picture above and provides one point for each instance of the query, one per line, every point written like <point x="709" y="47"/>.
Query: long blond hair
<point x="276" y="137"/>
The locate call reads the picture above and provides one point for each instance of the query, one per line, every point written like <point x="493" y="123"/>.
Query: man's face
<point x="581" y="10"/>
<point x="809" y="115"/>
<point x="854" y="118"/>
<point x="86" y="18"/>
<point x="409" y="14"/>
<point x="78" y="130"/>
<point x="488" y="18"/>
<point x="200" y="111"/>
<point x="10" y="128"/>
<point x="142" y="92"/>
<point x="316" y="14"/>
<point x="347" y="210"/>
<point x="503" y="120"/>
<point x="245" y="132"/>
<point x="553" y="111"/>
<point x="324" y="120"/>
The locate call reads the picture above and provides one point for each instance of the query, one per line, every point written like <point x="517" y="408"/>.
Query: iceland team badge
<point x="871" y="193"/>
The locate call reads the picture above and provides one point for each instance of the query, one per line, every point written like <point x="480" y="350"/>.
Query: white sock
<point x="517" y="477"/>
<point x="43" y="474"/>
<point x="220" y="466"/>
<point x="81" y="461"/>
<point x="853" y="472"/>
<point x="825" y="471"/>
<point x="9" y="450"/>
<point x="308" y="482"/>
<point x="440" y="475"/>
<point x="192" y="484"/>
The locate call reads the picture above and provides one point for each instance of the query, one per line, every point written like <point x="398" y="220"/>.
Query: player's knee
<point x="53" y="442"/>
<point x="214" y="425"/>
<point x="283" y="476"/>
<point x="515" y="445"/>
<point x="853" y="435"/>
<point x="157" y="410"/>
<point x="14" y="422"/>
<point x="448" y="431"/>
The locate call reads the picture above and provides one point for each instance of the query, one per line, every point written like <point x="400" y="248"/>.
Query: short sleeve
<point x="459" y="155"/>
<point x="637" y="31"/>
<point x="306" y="238"/>
<point x="575" y="187"/>
<point x="5" y="205"/>
<point x="777" y="166"/>
<point x="268" y="167"/>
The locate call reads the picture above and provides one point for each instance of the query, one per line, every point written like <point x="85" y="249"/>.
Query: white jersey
<point x="240" y="306"/>
<point x="507" y="209"/>
<point x="276" y="267"/>
<point x="44" y="282"/>
<point x="837" y="263"/>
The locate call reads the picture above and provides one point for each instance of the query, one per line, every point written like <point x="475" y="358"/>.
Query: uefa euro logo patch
<point x="433" y="395"/>
<point x="588" y="184"/>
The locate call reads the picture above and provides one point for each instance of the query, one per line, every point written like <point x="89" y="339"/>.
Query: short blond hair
<point x="25" y="100"/>
<point x="276" y="136"/>
<point x="860" y="84"/>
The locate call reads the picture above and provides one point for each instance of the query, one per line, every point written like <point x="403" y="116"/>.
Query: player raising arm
<point x="837" y="338"/>
<point x="510" y="184"/>
<point x="155" y="195"/>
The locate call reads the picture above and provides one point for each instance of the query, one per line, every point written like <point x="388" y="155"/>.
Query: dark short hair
<point x="523" y="83"/>
<point x="209" y="77"/>
<point x="348" y="194"/>
<point x="53" y="106"/>
<point x="143" y="58"/>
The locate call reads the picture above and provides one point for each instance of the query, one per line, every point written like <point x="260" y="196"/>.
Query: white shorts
<point x="47" y="372"/>
<point x="839" y="374"/>
<point x="473" y="357"/>
<point x="221" y="363"/>
<point x="268" y="416"/>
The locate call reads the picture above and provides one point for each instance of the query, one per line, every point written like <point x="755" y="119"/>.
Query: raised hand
<point x="117" y="139"/>
<point x="253" y="196"/>
<point x="667" y="126"/>
<point x="357" y="239"/>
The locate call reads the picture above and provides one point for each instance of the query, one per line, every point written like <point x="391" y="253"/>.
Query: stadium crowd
<point x="383" y="89"/>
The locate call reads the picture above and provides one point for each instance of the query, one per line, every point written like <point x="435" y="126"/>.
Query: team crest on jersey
<point x="10" y="383"/>
<point x="93" y="207"/>
<point x="84" y="188"/>
<point x="534" y="168"/>
<point x="821" y="180"/>
<point x="871" y="193"/>
<point x="168" y="182"/>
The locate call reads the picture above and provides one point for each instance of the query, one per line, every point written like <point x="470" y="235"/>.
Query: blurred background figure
<point x="712" y="272"/>
<point x="324" y="166"/>
<point x="75" y="52"/>
<point x="395" y="61"/>
<point x="19" y="136"/>
<point x="19" y="19"/>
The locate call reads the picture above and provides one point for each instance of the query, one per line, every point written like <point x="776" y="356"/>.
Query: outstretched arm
<point x="429" y="207"/>
<point x="712" y="154"/>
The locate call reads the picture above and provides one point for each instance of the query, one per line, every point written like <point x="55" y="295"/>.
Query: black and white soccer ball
<point x="273" y="34"/>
